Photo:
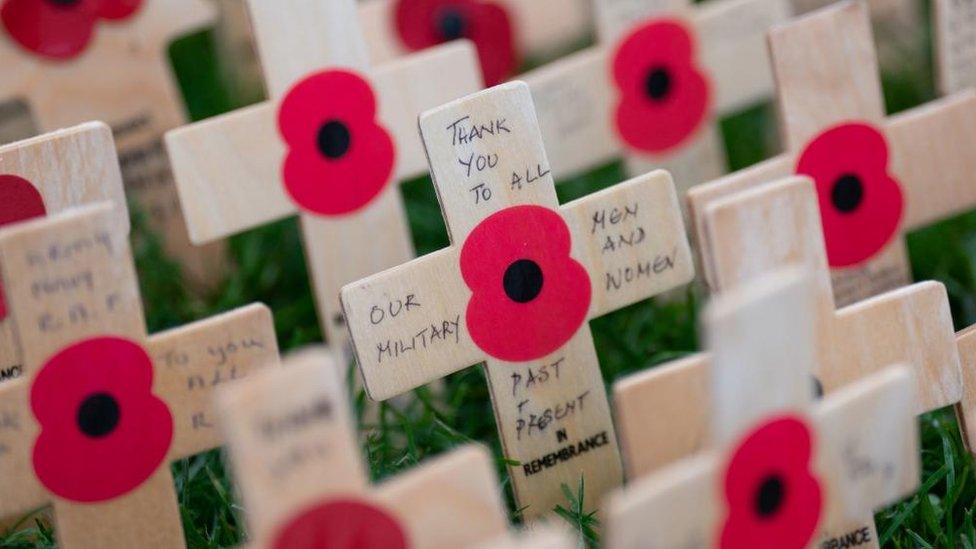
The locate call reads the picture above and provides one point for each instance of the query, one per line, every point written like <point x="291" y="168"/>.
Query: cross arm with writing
<point x="101" y="410"/>
<point x="909" y="170"/>
<point x="335" y="163"/>
<point x="838" y="459"/>
<point x="517" y="288"/>
<point x="295" y="456"/>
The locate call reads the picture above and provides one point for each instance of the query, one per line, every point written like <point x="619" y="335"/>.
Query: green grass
<point x="270" y="268"/>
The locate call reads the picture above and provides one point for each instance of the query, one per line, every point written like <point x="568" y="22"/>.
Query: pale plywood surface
<point x="264" y="436"/>
<point x="68" y="167"/>
<point x="954" y="28"/>
<point x="966" y="412"/>
<point x="538" y="536"/>
<point x="124" y="79"/>
<point x="396" y="353"/>
<point x="71" y="278"/>
<point x="228" y="167"/>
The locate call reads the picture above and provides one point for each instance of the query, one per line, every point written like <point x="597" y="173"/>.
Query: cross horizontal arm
<point x="932" y="157"/>
<point x="408" y="324"/>
<point x="192" y="360"/>
<point x="631" y="239"/>
<point x="22" y="492"/>
<point x="461" y="485"/>
<point x="290" y="440"/>
<point x="228" y="168"/>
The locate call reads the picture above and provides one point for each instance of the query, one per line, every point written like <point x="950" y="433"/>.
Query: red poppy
<point x="103" y="431"/>
<point x="340" y="158"/>
<point x="861" y="204"/>
<point x="342" y="524"/>
<point x="19" y="201"/>
<point x="664" y="96"/>
<point x="529" y="296"/>
<point x="772" y="497"/>
<point x="425" y="23"/>
<point x="60" y="29"/>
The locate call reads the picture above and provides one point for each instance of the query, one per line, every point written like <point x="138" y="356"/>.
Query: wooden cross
<point x="544" y="536"/>
<point x="516" y="289"/>
<point x="119" y="74"/>
<point x="293" y="450"/>
<point x="877" y="178"/>
<point x="673" y="101"/>
<point x="46" y="175"/>
<point x="780" y="470"/>
<point x="539" y="28"/>
<point x="102" y="410"/>
<point x="762" y="230"/>
<point x="954" y="27"/>
<point x="966" y="413"/>
<point x="236" y="171"/>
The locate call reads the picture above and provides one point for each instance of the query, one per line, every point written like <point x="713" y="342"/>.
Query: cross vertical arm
<point x="290" y="440"/>
<point x="22" y="491"/>
<point x="954" y="29"/>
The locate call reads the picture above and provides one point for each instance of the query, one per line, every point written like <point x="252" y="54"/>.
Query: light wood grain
<point x="68" y="168"/>
<point x="124" y="79"/>
<point x="954" y="28"/>
<point x="865" y="437"/>
<point x="538" y="536"/>
<point x="71" y="278"/>
<point x="399" y="352"/>
<point x="293" y="446"/>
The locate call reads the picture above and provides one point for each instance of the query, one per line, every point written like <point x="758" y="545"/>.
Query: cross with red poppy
<point x="295" y="456"/>
<point x="102" y="409"/>
<point x="516" y="290"/>
<point x="655" y="88"/>
<point x="751" y="234"/>
<point x="876" y="178"/>
<point x="45" y="175"/>
<point x="330" y="145"/>
<point x="954" y="37"/>
<point x="70" y="61"/>
<point x="779" y="470"/>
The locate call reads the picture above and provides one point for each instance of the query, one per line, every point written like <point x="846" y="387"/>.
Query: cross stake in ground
<point x="653" y="91"/>
<point x="58" y="74"/>
<point x="330" y="145"/>
<point x="779" y="469"/>
<point x="516" y="290"/>
<point x="102" y="410"/>
<point x="46" y="175"/>
<point x="762" y="230"/>
<point x="876" y="178"/>
<point x="296" y="460"/>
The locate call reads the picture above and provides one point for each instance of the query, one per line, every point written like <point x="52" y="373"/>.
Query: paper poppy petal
<point x="664" y="98"/>
<point x="19" y="201"/>
<point x="119" y="9"/>
<point x="102" y="430"/>
<point x="342" y="524"/>
<point x="772" y="498"/>
<point x="494" y="37"/>
<point x="327" y="95"/>
<point x="536" y="324"/>
<point x="861" y="203"/>
<point x="49" y="30"/>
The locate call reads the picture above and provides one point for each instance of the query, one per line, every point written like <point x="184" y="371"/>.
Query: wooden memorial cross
<point x="781" y="470"/>
<point x="294" y="454"/>
<point x="749" y="235"/>
<point x="954" y="27"/>
<point x="45" y="175"/>
<point x="656" y="86"/>
<point x="102" y="410"/>
<point x="545" y="536"/>
<point x="318" y="148"/>
<point x="64" y="65"/>
<point x="876" y="178"/>
<point x="516" y="289"/>
<point x="505" y="32"/>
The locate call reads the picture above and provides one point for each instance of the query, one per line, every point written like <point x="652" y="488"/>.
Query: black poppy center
<point x="523" y="281"/>
<point x="847" y="193"/>
<point x="334" y="139"/>
<point x="451" y="25"/>
<point x="98" y="415"/>
<point x="657" y="85"/>
<point x="65" y="3"/>
<point x="769" y="497"/>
